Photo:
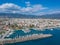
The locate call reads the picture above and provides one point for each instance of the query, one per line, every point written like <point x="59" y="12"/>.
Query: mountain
<point x="51" y="16"/>
<point x="15" y="15"/>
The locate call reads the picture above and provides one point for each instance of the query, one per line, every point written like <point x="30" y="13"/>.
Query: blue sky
<point x="34" y="7"/>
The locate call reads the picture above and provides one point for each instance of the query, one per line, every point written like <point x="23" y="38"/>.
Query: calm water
<point x="55" y="40"/>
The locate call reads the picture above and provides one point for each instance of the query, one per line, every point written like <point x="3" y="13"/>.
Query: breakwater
<point x="24" y="38"/>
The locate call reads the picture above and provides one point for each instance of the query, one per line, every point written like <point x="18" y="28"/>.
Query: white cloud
<point x="27" y="3"/>
<point x="9" y="7"/>
<point x="53" y="11"/>
<point x="13" y="8"/>
<point x="38" y="7"/>
<point x="27" y="9"/>
<point x="35" y="9"/>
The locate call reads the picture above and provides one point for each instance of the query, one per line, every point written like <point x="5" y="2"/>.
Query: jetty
<point x="24" y="38"/>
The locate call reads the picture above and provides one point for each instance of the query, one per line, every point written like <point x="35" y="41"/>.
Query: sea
<point x="54" y="40"/>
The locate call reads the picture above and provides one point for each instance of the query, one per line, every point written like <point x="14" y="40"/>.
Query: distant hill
<point x="11" y="15"/>
<point x="51" y="16"/>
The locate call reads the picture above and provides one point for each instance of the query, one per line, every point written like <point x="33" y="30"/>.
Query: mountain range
<point x="16" y="15"/>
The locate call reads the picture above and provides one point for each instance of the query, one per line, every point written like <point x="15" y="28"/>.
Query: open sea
<point x="54" y="40"/>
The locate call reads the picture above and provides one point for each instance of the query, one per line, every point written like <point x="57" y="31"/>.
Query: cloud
<point x="53" y="11"/>
<point x="36" y="9"/>
<point x="27" y="3"/>
<point x="9" y="7"/>
<point x="50" y="12"/>
<point x="13" y="8"/>
<point x="32" y="9"/>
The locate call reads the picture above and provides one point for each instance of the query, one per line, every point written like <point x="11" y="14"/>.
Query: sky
<point x="30" y="7"/>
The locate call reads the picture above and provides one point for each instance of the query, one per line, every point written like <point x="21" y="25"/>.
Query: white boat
<point x="51" y="29"/>
<point x="26" y="30"/>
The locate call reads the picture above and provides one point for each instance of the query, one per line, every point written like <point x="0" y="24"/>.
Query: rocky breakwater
<point x="25" y="38"/>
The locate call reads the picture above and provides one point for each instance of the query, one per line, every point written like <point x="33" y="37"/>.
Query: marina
<point x="18" y="30"/>
<point x="20" y="36"/>
<point x="41" y="41"/>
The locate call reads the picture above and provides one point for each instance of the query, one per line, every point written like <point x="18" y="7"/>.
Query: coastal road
<point x="6" y="34"/>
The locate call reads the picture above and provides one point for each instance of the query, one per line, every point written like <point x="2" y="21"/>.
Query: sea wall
<point x="21" y="39"/>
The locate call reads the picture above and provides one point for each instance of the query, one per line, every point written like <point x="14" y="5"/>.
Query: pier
<point x="24" y="38"/>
